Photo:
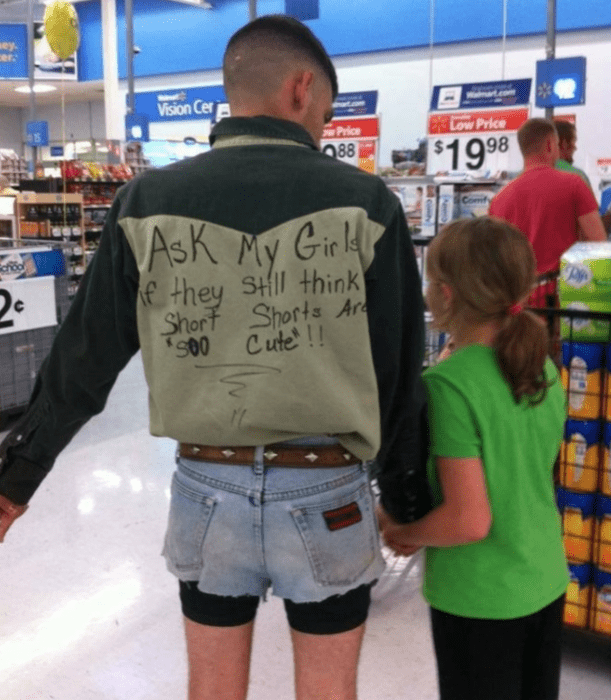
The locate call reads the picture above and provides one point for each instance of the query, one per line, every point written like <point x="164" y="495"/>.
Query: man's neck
<point x="537" y="161"/>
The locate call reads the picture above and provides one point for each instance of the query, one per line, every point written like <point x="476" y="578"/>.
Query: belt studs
<point x="270" y="455"/>
<point x="195" y="449"/>
<point x="347" y="456"/>
<point x="312" y="457"/>
<point x="228" y="453"/>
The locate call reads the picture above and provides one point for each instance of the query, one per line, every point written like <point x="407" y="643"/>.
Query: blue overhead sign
<point x="302" y="9"/>
<point x="37" y="133"/>
<point x="350" y="104"/>
<point x="500" y="93"/>
<point x="561" y="82"/>
<point x="13" y="51"/>
<point x="179" y="104"/>
<point x="136" y="127"/>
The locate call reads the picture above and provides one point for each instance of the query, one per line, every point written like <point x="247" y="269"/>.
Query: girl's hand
<point x="395" y="538"/>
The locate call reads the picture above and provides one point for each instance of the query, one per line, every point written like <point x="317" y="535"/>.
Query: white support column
<point x="114" y="100"/>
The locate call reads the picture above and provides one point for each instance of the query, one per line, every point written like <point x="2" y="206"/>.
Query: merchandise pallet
<point x="22" y="354"/>
<point x="584" y="467"/>
<point x="20" y="360"/>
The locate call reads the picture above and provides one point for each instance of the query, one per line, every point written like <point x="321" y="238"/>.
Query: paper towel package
<point x="585" y="273"/>
<point x="585" y="285"/>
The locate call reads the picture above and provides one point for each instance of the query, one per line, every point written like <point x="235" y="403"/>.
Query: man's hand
<point x="9" y="512"/>
<point x="384" y="520"/>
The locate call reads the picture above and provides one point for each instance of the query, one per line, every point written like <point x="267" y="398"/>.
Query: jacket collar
<point x="262" y="127"/>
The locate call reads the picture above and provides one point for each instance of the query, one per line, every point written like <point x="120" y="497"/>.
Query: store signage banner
<point x="478" y="95"/>
<point x="366" y="128"/>
<point x="13" y="51"/>
<point x="136" y="127"/>
<point x="353" y="141"/>
<point x="350" y="104"/>
<point x="561" y="81"/>
<point x="40" y="262"/>
<point x="302" y="9"/>
<point x="477" y="122"/>
<point x="179" y="104"/>
<point x="27" y="304"/>
<point x="467" y="142"/>
<point x="37" y="133"/>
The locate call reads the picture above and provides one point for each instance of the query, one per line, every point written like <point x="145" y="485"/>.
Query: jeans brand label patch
<point x="343" y="517"/>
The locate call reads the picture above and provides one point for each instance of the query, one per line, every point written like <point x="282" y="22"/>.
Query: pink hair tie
<point x="515" y="309"/>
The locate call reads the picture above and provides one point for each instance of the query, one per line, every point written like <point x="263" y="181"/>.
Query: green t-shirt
<point x="520" y="567"/>
<point x="570" y="168"/>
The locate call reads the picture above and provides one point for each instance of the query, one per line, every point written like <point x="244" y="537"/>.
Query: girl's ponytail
<point x="490" y="267"/>
<point x="521" y="347"/>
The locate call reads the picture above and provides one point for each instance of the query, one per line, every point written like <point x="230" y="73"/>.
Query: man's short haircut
<point x="258" y="52"/>
<point x="566" y="131"/>
<point x="533" y="134"/>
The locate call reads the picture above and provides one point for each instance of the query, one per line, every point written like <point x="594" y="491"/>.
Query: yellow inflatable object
<point x="61" y="29"/>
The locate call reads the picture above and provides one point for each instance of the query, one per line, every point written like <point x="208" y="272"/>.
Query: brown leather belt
<point x="274" y="455"/>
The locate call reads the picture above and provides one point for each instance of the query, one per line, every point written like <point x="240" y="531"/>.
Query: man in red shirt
<point x="553" y="209"/>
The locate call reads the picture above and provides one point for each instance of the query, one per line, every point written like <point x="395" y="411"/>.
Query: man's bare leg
<point x="326" y="665"/>
<point x="219" y="661"/>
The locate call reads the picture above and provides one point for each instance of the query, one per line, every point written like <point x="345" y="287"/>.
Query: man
<point x="274" y="294"/>
<point x="567" y="145"/>
<point x="553" y="209"/>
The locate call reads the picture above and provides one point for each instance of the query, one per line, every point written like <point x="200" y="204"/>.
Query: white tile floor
<point x="88" y="611"/>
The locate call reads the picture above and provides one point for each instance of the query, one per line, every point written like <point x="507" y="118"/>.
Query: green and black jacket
<point x="274" y="294"/>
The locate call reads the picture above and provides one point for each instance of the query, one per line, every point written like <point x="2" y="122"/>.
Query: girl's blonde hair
<point x="490" y="266"/>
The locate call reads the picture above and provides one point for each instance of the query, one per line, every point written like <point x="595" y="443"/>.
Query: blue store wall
<point x="176" y="38"/>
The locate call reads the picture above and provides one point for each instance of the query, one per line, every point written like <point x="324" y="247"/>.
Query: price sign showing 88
<point x="346" y="151"/>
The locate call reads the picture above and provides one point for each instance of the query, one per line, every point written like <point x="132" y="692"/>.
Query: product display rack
<point x="44" y="218"/>
<point x="583" y="470"/>
<point x="97" y="197"/>
<point x="12" y="166"/>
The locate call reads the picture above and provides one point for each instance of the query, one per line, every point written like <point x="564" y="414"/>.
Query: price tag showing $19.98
<point x="475" y="153"/>
<point x="469" y="142"/>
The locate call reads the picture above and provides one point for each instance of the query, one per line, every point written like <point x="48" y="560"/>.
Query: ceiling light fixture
<point x="204" y="4"/>
<point x="36" y="88"/>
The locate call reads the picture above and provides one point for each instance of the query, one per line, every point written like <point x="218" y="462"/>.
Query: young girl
<point x="495" y="567"/>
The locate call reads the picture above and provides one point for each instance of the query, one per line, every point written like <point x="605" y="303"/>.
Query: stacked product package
<point x="584" y="496"/>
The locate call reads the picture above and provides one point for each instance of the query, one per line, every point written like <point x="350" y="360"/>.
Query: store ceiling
<point x="91" y="91"/>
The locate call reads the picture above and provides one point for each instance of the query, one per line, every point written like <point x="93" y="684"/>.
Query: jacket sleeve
<point x="93" y="344"/>
<point x="396" y="321"/>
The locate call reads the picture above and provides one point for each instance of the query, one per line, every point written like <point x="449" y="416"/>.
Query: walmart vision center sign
<point x="180" y="104"/>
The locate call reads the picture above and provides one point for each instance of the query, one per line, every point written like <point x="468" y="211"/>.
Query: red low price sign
<point x="352" y="141"/>
<point x="470" y="141"/>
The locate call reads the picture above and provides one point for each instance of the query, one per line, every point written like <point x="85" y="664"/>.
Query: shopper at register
<point x="275" y="297"/>
<point x="495" y="568"/>
<point x="553" y="209"/>
<point x="567" y="145"/>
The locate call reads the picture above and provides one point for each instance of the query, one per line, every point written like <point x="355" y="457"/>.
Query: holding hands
<point x="395" y="535"/>
<point x="9" y="512"/>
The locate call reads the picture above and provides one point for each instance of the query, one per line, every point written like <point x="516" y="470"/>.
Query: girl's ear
<point x="448" y="293"/>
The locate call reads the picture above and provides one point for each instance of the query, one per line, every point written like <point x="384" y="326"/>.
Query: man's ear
<point x="302" y="83"/>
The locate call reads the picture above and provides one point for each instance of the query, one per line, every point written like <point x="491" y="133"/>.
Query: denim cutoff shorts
<point x="307" y="534"/>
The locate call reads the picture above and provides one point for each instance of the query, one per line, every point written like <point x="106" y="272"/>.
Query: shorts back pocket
<point x="340" y="536"/>
<point x="189" y="518"/>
